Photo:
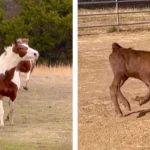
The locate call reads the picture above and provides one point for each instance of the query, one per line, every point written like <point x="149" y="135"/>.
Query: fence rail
<point x="111" y="2"/>
<point x="117" y="13"/>
<point x="104" y="14"/>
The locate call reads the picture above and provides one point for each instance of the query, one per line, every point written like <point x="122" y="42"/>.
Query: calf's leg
<point x="124" y="100"/>
<point x="122" y="97"/>
<point x="145" y="99"/>
<point x="113" y="92"/>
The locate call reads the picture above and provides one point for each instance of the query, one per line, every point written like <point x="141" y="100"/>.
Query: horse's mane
<point x="8" y="48"/>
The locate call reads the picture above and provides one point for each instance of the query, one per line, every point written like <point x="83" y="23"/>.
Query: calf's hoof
<point x="119" y="114"/>
<point x="141" y="102"/>
<point x="128" y="107"/>
<point x="141" y="114"/>
<point x="137" y="98"/>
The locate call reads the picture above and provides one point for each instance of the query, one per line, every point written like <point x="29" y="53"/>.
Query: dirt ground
<point x="99" y="127"/>
<point x="43" y="115"/>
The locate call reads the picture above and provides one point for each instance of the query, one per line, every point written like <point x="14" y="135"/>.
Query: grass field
<point x="99" y="127"/>
<point x="43" y="115"/>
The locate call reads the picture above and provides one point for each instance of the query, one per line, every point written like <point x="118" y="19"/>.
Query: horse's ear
<point x="15" y="45"/>
<point x="15" y="42"/>
<point x="25" y="40"/>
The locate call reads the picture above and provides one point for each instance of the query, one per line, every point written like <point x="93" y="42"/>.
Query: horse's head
<point x="23" y="50"/>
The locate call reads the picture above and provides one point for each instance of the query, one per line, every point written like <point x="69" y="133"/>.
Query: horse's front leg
<point x="1" y="113"/>
<point x="27" y="80"/>
<point x="10" y="116"/>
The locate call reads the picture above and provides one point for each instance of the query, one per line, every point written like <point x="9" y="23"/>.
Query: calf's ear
<point x="115" y="46"/>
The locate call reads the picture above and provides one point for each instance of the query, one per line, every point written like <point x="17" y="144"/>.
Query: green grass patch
<point x="10" y="145"/>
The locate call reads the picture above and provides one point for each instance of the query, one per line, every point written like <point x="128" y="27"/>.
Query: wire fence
<point x="110" y="2"/>
<point x="117" y="13"/>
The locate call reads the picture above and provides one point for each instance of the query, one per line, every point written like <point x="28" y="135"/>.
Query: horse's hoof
<point x="25" y="88"/>
<point x="1" y="125"/>
<point x="7" y="119"/>
<point x="12" y="123"/>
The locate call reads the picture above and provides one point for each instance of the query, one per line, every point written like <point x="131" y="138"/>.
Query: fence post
<point x="117" y="12"/>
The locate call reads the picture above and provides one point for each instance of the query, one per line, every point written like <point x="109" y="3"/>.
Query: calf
<point x="9" y="74"/>
<point x="125" y="63"/>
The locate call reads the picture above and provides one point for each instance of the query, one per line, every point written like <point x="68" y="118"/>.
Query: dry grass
<point x="43" y="115"/>
<point x="99" y="128"/>
<point x="111" y="19"/>
<point x="44" y="70"/>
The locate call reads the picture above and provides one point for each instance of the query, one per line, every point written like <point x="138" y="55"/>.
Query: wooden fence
<point x="117" y="13"/>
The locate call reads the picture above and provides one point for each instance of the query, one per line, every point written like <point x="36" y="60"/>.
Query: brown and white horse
<point x="9" y="74"/>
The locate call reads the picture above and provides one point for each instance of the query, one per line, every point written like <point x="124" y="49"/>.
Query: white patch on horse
<point x="16" y="78"/>
<point x="30" y="52"/>
<point x="8" y="60"/>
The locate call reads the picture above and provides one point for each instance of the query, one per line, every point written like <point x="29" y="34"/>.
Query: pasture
<point x="43" y="115"/>
<point x="99" y="127"/>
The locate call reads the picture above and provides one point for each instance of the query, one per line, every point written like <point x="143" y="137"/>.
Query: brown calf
<point x="125" y="63"/>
